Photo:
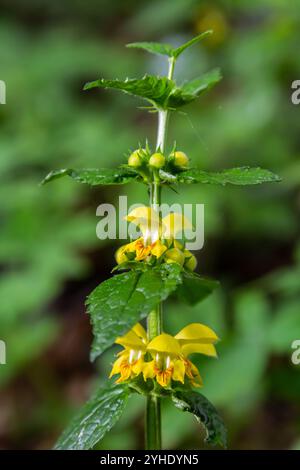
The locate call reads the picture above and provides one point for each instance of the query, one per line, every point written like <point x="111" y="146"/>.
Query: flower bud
<point x="180" y="159"/>
<point x="190" y="262"/>
<point x="174" y="256"/>
<point x="120" y="255"/>
<point x="157" y="160"/>
<point x="135" y="159"/>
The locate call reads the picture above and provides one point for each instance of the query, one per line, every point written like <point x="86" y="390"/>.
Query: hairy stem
<point x="154" y="321"/>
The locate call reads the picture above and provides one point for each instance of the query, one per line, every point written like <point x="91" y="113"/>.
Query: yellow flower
<point x="152" y="228"/>
<point x="131" y="360"/>
<point x="167" y="358"/>
<point x="158" y="237"/>
<point x="170" y="354"/>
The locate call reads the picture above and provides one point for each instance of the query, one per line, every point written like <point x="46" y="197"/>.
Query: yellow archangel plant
<point x="150" y="269"/>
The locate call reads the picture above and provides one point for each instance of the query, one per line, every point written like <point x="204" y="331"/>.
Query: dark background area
<point x="50" y="258"/>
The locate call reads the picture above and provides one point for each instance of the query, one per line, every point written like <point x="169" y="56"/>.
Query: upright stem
<point x="154" y="320"/>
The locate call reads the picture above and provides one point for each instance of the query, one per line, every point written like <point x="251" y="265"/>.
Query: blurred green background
<point x="50" y="256"/>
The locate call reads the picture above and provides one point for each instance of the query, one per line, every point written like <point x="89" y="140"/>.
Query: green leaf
<point x="238" y="176"/>
<point x="190" y="91"/>
<point x="153" y="47"/>
<point x="205" y="413"/>
<point x="156" y="90"/>
<point x="94" y="176"/>
<point x="195" y="288"/>
<point x="95" y="419"/>
<point x="179" y="50"/>
<point x="121" y="301"/>
<point x="166" y="49"/>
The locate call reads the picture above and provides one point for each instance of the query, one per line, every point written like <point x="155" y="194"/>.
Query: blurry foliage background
<point x="50" y="256"/>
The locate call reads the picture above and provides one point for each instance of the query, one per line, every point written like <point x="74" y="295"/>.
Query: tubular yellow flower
<point x="169" y="355"/>
<point x="152" y="228"/>
<point x="130" y="361"/>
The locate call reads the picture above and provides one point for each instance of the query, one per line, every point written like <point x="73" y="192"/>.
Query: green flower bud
<point x="135" y="159"/>
<point x="157" y="160"/>
<point x="190" y="262"/>
<point x="180" y="159"/>
<point x="174" y="256"/>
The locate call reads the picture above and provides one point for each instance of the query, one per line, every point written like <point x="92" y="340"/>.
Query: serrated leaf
<point x="179" y="50"/>
<point x="238" y="176"/>
<point x="95" y="419"/>
<point x="153" y="47"/>
<point x="190" y="91"/>
<point x="205" y="413"/>
<point x="156" y="90"/>
<point x="94" y="176"/>
<point x="123" y="300"/>
<point x="195" y="288"/>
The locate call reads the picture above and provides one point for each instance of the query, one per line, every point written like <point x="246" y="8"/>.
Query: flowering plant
<point x="149" y="269"/>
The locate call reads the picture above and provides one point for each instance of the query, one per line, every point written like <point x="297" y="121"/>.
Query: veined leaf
<point x="156" y="90"/>
<point x="205" y="413"/>
<point x="195" y="288"/>
<point x="167" y="49"/>
<point x="190" y="91"/>
<point x="123" y="300"/>
<point x="238" y="176"/>
<point x="94" y="176"/>
<point x="95" y="419"/>
<point x="153" y="47"/>
<point x="179" y="50"/>
<point x="160" y="91"/>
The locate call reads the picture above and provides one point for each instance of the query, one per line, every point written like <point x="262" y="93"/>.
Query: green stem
<point x="154" y="321"/>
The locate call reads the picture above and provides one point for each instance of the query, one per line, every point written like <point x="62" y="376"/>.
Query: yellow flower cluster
<point x="158" y="239"/>
<point x="164" y="358"/>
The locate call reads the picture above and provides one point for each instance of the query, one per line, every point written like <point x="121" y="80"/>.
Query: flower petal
<point x="174" y="223"/>
<point x="148" y="370"/>
<point x="131" y="341"/>
<point x="116" y="365"/>
<point x="158" y="249"/>
<point x="164" y="344"/>
<point x="207" y="349"/>
<point x="140" y="331"/>
<point x="196" y="332"/>
<point x="178" y="371"/>
<point x="147" y="219"/>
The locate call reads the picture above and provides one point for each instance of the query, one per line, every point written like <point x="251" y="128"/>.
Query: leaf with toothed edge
<point x="205" y="413"/>
<point x="192" y="90"/>
<point x="95" y="418"/>
<point x="94" y="176"/>
<point x="153" y="47"/>
<point x="167" y="49"/>
<point x="237" y="176"/>
<point x="154" y="89"/>
<point x="123" y="300"/>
